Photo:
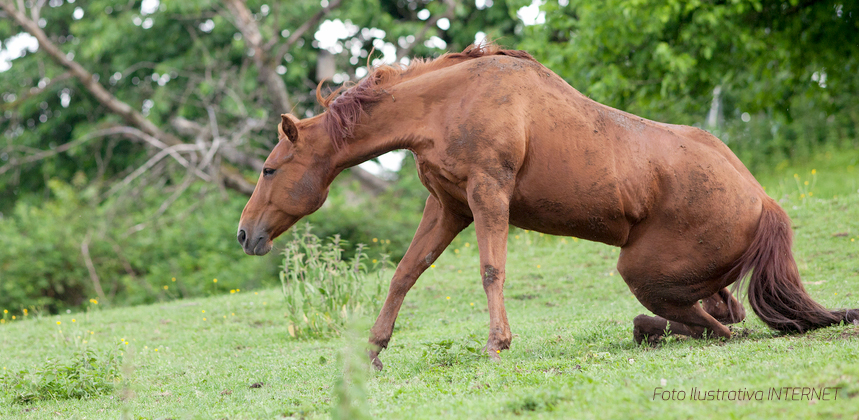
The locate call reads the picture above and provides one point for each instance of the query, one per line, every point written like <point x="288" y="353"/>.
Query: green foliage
<point x="136" y="257"/>
<point x="85" y="375"/>
<point x="647" y="55"/>
<point x="790" y="66"/>
<point x="322" y="290"/>
<point x="768" y="142"/>
<point x="40" y="252"/>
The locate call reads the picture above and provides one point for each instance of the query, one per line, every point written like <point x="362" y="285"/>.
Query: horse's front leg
<point x="437" y="229"/>
<point x="489" y="200"/>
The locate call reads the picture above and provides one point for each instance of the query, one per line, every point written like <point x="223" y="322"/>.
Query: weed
<point x="350" y="390"/>
<point x="322" y="290"/>
<point x="448" y="352"/>
<point x="538" y="401"/>
<point x="85" y="375"/>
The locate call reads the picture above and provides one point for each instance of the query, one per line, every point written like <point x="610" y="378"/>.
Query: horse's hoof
<point x="639" y="336"/>
<point x="494" y="355"/>
<point x="374" y="360"/>
<point x="377" y="364"/>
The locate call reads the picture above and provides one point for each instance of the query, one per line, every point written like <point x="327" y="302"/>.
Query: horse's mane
<point x="344" y="109"/>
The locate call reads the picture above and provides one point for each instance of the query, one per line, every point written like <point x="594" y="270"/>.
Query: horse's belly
<point x="595" y="221"/>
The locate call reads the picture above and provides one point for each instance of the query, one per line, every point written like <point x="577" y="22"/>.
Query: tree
<point x="123" y="107"/>
<point x="666" y="58"/>
<point x="117" y="87"/>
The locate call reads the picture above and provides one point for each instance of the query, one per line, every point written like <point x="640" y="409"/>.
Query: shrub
<point x="321" y="289"/>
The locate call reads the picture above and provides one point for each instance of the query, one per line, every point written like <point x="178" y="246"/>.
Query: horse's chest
<point x="443" y="183"/>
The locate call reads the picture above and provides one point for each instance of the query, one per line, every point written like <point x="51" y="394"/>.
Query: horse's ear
<point x="287" y="127"/>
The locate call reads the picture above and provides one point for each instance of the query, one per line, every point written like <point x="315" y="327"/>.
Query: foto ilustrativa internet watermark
<point x="785" y="393"/>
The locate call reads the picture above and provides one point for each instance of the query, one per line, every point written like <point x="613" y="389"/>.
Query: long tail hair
<point x="775" y="290"/>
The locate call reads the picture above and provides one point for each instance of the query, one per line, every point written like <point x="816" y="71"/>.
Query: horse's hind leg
<point x="724" y="307"/>
<point x="690" y="320"/>
<point x="670" y="283"/>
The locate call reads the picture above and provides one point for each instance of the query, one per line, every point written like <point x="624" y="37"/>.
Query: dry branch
<point x="113" y="104"/>
<point x="245" y="23"/>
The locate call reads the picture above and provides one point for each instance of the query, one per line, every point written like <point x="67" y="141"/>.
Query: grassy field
<point x="572" y="356"/>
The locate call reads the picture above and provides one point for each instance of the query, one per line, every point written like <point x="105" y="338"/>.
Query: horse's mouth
<point x="254" y="241"/>
<point x="258" y="241"/>
<point x="262" y="247"/>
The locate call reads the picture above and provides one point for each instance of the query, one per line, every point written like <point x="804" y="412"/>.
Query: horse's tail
<point x="775" y="290"/>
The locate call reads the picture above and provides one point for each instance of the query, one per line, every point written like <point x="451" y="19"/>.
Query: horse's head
<point x="294" y="183"/>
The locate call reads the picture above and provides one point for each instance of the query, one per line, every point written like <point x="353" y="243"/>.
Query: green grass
<point x="572" y="356"/>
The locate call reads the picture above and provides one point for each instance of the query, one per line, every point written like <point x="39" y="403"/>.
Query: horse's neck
<point x="389" y="126"/>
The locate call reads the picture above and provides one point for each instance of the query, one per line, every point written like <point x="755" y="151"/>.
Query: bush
<point x="322" y="290"/>
<point x="138" y="255"/>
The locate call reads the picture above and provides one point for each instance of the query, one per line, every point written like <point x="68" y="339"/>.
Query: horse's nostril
<point x="242" y="236"/>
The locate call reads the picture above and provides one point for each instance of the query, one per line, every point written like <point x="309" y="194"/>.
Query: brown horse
<point x="499" y="139"/>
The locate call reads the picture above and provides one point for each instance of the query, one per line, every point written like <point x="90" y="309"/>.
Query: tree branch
<point x="101" y="94"/>
<point x="35" y="91"/>
<point x="431" y="22"/>
<point x="86" y="78"/>
<point x="96" y="283"/>
<point x="306" y="26"/>
<point x="245" y="23"/>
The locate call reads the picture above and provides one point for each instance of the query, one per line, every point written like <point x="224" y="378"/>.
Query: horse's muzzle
<point x="257" y="243"/>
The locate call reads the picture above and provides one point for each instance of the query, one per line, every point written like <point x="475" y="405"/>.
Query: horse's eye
<point x="267" y="171"/>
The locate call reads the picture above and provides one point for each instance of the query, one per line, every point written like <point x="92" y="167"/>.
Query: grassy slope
<point x="572" y="356"/>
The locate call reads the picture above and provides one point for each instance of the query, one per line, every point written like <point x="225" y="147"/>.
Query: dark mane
<point x="344" y="109"/>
